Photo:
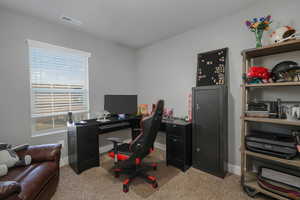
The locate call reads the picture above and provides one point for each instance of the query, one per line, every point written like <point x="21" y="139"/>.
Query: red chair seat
<point x="120" y="156"/>
<point x="123" y="152"/>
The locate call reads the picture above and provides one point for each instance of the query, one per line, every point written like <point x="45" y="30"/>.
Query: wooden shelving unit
<point x="293" y="45"/>
<point x="272" y="121"/>
<point x="254" y="185"/>
<point x="271" y="84"/>
<point x="248" y="179"/>
<point x="295" y="163"/>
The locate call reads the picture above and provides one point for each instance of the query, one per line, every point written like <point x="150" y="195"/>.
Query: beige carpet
<point x="99" y="184"/>
<point x="164" y="174"/>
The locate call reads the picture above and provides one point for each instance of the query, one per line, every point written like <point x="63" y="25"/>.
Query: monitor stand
<point x="121" y="116"/>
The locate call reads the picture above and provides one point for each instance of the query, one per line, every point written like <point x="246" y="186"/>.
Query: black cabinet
<point x="179" y="144"/>
<point x="210" y="129"/>
<point x="83" y="146"/>
<point x="83" y="140"/>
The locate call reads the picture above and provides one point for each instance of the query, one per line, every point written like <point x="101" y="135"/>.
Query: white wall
<point x="167" y="69"/>
<point x="111" y="70"/>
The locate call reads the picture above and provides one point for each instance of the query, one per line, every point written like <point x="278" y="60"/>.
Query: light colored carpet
<point x="164" y="174"/>
<point x="99" y="184"/>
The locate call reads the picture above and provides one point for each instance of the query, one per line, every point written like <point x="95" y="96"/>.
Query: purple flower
<point x="261" y="19"/>
<point x="268" y="18"/>
<point x="254" y="20"/>
<point x="248" y="23"/>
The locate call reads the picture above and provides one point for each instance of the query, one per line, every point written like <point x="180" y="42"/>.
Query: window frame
<point x="38" y="44"/>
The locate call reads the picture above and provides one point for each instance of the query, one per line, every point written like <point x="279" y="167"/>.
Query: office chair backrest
<point x="150" y="126"/>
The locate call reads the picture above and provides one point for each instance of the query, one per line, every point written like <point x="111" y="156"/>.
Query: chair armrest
<point x="115" y="140"/>
<point x="45" y="152"/>
<point x="8" y="188"/>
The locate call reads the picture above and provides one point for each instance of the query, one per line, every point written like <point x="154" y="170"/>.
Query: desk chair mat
<point x="164" y="174"/>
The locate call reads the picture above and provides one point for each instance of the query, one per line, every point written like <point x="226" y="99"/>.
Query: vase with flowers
<point x="258" y="26"/>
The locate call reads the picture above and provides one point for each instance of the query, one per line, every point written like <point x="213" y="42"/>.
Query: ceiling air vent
<point x="70" y="20"/>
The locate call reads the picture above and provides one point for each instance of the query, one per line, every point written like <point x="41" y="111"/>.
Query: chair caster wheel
<point x="125" y="188"/>
<point x="154" y="185"/>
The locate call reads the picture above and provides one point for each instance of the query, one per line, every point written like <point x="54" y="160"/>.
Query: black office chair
<point x="128" y="157"/>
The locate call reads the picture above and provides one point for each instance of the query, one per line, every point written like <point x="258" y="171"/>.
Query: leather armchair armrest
<point x="44" y="152"/>
<point x="8" y="188"/>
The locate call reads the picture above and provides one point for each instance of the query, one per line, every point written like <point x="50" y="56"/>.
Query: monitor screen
<point x="120" y="104"/>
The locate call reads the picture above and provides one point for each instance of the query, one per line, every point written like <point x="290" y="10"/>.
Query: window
<point x="59" y="84"/>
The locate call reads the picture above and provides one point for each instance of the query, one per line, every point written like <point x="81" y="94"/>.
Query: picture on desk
<point x="143" y="110"/>
<point x="103" y="116"/>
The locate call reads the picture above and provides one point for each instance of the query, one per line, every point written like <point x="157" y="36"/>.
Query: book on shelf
<point x="259" y="114"/>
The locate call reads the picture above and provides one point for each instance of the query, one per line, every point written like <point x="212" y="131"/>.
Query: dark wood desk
<point x="83" y="141"/>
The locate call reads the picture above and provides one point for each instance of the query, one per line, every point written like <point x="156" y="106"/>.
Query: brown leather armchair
<point x="37" y="181"/>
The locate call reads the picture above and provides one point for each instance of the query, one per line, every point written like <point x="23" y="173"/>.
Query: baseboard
<point x="64" y="161"/>
<point x="105" y="148"/>
<point x="160" y="146"/>
<point x="108" y="147"/>
<point x="234" y="169"/>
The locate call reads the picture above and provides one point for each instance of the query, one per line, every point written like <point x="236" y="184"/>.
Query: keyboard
<point x="110" y="126"/>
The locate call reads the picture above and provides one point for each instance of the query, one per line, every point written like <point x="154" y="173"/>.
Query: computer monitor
<point x="120" y="104"/>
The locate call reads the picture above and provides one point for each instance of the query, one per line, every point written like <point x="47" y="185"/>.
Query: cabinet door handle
<point x="197" y="107"/>
<point x="198" y="149"/>
<point x="175" y="140"/>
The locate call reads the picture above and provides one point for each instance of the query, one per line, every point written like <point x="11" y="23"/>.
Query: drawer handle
<point x="174" y="126"/>
<point x="198" y="149"/>
<point x="175" y="140"/>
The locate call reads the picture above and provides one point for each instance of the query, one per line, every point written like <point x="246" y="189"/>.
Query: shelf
<point x="293" y="45"/>
<point x="254" y="185"/>
<point x="295" y="163"/>
<point x="272" y="84"/>
<point x="273" y="121"/>
<point x="250" y="179"/>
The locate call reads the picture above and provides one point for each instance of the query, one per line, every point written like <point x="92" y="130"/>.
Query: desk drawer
<point x="175" y="130"/>
<point x="175" y="148"/>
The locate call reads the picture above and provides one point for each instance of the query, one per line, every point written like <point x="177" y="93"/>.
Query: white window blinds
<point x="59" y="80"/>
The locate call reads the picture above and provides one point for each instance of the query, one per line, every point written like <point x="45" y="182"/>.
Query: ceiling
<point x="134" y="23"/>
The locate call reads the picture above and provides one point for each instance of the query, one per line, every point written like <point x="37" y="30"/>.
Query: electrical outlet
<point x="62" y="142"/>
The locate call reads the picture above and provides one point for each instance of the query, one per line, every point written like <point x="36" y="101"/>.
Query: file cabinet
<point x="179" y="144"/>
